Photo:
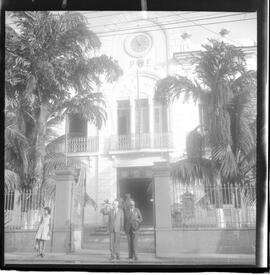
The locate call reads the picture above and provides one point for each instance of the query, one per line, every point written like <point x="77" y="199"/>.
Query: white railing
<point x="198" y="206"/>
<point x="162" y="140"/>
<point x="82" y="144"/>
<point x="140" y="141"/>
<point x="75" y="145"/>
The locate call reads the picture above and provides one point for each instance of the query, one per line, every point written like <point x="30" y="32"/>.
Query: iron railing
<point x="199" y="206"/>
<point x="23" y="208"/>
<point x="140" y="141"/>
<point x="74" y="145"/>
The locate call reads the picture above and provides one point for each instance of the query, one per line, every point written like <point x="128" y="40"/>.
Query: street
<point x="100" y="257"/>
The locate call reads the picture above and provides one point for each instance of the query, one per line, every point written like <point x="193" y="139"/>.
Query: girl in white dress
<point x="43" y="232"/>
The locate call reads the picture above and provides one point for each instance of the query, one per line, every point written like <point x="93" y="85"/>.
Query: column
<point x="169" y="121"/>
<point x="132" y="116"/>
<point x="163" y="219"/>
<point x="65" y="143"/>
<point x="132" y="122"/>
<point x="151" y="122"/>
<point x="162" y="195"/>
<point x="62" y="232"/>
<point x="66" y="124"/>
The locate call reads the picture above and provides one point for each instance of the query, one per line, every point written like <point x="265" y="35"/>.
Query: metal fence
<point x="23" y="208"/>
<point x="199" y="206"/>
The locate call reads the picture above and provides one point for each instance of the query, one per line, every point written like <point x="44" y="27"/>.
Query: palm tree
<point x="18" y="154"/>
<point x="52" y="69"/>
<point x="226" y="93"/>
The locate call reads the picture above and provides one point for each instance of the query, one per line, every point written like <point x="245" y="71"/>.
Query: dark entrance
<point x="141" y="192"/>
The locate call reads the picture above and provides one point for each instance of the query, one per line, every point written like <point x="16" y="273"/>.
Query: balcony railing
<point x="140" y="141"/>
<point x="75" y="145"/>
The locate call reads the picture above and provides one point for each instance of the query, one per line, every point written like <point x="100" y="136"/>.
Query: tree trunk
<point x="40" y="145"/>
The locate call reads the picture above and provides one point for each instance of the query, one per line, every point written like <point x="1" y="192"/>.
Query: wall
<point x="22" y="241"/>
<point x="106" y="184"/>
<point x="90" y="213"/>
<point x="177" y="243"/>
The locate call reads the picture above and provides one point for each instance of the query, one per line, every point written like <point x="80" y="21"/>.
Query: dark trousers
<point x="115" y="244"/>
<point x="132" y="238"/>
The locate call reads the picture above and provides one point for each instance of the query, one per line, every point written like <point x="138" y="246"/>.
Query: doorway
<point x="140" y="190"/>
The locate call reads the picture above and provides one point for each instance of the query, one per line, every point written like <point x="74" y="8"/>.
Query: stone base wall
<point x="177" y="243"/>
<point x="22" y="241"/>
<point x="62" y="241"/>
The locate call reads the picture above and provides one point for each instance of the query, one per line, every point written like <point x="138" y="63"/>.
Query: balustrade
<point x="75" y="145"/>
<point x="139" y="141"/>
<point x="118" y="143"/>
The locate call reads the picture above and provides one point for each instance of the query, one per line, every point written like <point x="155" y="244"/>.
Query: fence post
<point x="219" y="203"/>
<point x="62" y="237"/>
<point x="16" y="221"/>
<point x="163" y="219"/>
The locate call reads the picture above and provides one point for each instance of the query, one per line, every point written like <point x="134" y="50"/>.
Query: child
<point x="43" y="232"/>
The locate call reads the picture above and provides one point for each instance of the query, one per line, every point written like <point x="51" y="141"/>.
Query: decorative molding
<point x="185" y="58"/>
<point x="161" y="169"/>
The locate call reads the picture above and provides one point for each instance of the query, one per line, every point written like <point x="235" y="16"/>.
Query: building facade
<point x="138" y="131"/>
<point x="132" y="151"/>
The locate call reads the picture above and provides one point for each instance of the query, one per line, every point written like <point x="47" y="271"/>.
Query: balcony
<point x="75" y="145"/>
<point x="141" y="141"/>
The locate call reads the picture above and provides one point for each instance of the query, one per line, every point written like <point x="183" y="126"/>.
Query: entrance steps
<point x="98" y="239"/>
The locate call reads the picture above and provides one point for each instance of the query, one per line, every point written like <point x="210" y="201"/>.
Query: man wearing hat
<point x="116" y="225"/>
<point x="133" y="221"/>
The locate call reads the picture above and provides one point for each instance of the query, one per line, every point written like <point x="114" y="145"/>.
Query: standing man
<point x="126" y="207"/>
<point x="134" y="219"/>
<point x="115" y="225"/>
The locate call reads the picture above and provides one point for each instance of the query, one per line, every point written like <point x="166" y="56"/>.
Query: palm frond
<point x="172" y="87"/>
<point x="73" y="27"/>
<point x="12" y="135"/>
<point x="90" y="107"/>
<point x="54" y="161"/>
<point x="190" y="170"/>
<point x="12" y="180"/>
<point x="224" y="156"/>
<point x="85" y="73"/>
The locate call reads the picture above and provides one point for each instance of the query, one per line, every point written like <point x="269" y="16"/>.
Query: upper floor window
<point x="142" y="116"/>
<point x="123" y="112"/>
<point x="77" y="126"/>
<point x="160" y="118"/>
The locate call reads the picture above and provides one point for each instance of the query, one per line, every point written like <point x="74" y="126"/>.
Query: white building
<point x="138" y="131"/>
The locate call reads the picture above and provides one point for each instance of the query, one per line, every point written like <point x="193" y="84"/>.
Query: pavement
<point x="95" y="257"/>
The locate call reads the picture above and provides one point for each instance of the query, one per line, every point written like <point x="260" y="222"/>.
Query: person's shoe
<point x="135" y="258"/>
<point x="42" y="255"/>
<point x="111" y="258"/>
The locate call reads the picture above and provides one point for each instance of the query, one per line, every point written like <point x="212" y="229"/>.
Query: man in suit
<point x="115" y="226"/>
<point x="134" y="219"/>
<point x="126" y="207"/>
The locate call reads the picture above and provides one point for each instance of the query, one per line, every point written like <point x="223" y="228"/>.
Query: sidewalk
<point x="98" y="257"/>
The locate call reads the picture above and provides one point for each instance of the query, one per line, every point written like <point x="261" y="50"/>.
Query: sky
<point x="201" y="25"/>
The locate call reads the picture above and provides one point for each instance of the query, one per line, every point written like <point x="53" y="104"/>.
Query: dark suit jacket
<point x="134" y="220"/>
<point x="116" y="223"/>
